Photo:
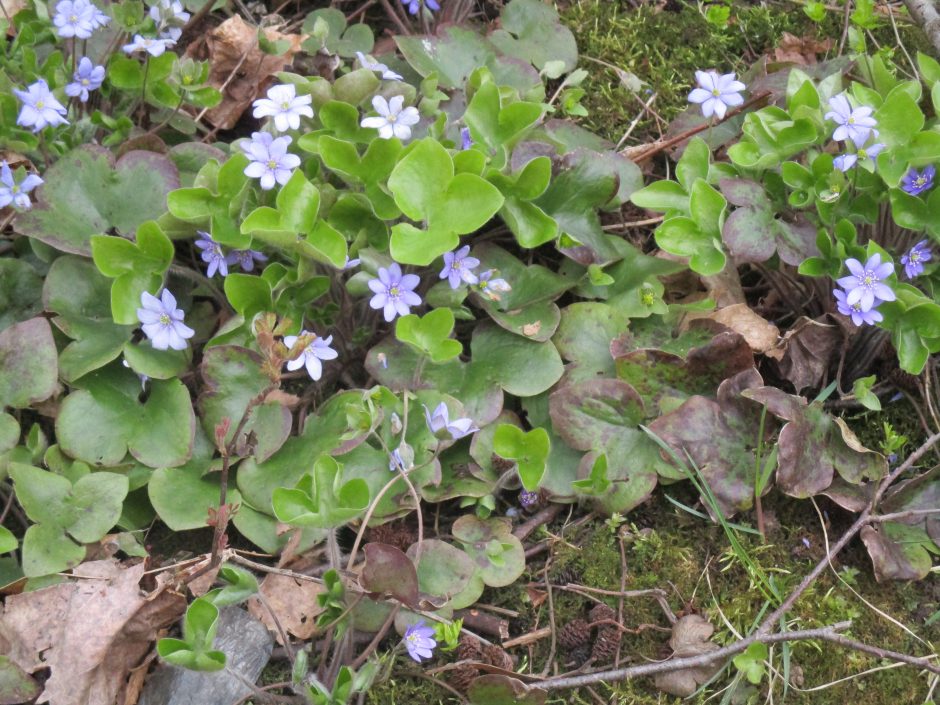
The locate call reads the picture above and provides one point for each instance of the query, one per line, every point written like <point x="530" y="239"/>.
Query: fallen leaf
<point x="690" y="637"/>
<point x="801" y="51"/>
<point x="238" y="67"/>
<point x="292" y="601"/>
<point x="90" y="632"/>
<point x="761" y="335"/>
<point x="804" y="353"/>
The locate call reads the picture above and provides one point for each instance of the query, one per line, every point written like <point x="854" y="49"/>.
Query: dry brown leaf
<point x="238" y="67"/>
<point x="294" y="602"/>
<point x="90" y="632"/>
<point x="761" y="335"/>
<point x="805" y="352"/>
<point x="690" y="637"/>
<point x="800" y="50"/>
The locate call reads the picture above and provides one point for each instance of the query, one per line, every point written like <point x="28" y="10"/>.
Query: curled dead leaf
<point x="761" y="335"/>
<point x="294" y="602"/>
<point x="690" y="637"/>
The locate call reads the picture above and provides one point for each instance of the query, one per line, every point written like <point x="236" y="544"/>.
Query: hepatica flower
<point x="245" y="259"/>
<point x="212" y="255"/>
<point x="163" y="322"/>
<point x="854" y="124"/>
<point x="170" y="17"/>
<point x="75" y="18"/>
<point x="415" y="5"/>
<point x="916" y="182"/>
<point x="40" y="107"/>
<point x="844" y="162"/>
<point x="372" y="65"/>
<point x="466" y="141"/>
<point x="153" y="46"/>
<point x="716" y="93"/>
<point x="270" y="160"/>
<point x="855" y="312"/>
<point x="419" y="641"/>
<point x="13" y="192"/>
<point x="528" y="499"/>
<point x="392" y="120"/>
<point x="913" y="260"/>
<point x="440" y="424"/>
<point x="459" y="266"/>
<point x="312" y="355"/>
<point x="864" y="286"/>
<point x="285" y="106"/>
<point x="87" y="77"/>
<point x="394" y="292"/>
<point x="492" y="287"/>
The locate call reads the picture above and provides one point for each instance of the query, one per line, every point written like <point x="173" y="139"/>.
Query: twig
<point x="926" y="15"/>
<point x="544" y="516"/>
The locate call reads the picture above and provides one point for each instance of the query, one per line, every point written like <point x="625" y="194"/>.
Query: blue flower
<point x="154" y="47"/>
<point x="915" y="182"/>
<point x="419" y="639"/>
<point x="40" y="107"/>
<point x="855" y="312"/>
<point x="716" y="93"/>
<point x="75" y="18"/>
<point x="270" y="160"/>
<point x="844" y="162"/>
<point x="170" y="18"/>
<point x="864" y="286"/>
<point x="13" y="192"/>
<point x="87" y="77"/>
<point x="212" y="255"/>
<point x="491" y="288"/>
<point x="311" y="356"/>
<point x="854" y="124"/>
<point x="440" y="424"/>
<point x="392" y="120"/>
<point x="466" y="141"/>
<point x="285" y="106"/>
<point x="394" y="292"/>
<point x="415" y="5"/>
<point x="914" y="259"/>
<point x="162" y="322"/>
<point x="459" y="266"/>
<point x="386" y="72"/>
<point x="245" y="259"/>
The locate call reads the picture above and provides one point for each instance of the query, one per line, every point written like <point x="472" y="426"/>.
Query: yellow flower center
<point x="285" y="105"/>
<point x="394" y="291"/>
<point x="851" y="121"/>
<point x="716" y="92"/>
<point x="40" y="104"/>
<point x="164" y="319"/>
<point x="272" y="164"/>
<point x="85" y="82"/>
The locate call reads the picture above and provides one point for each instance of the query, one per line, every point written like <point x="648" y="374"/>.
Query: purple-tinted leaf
<point x="499" y="689"/>
<point x="389" y="572"/>
<point x="588" y="415"/>
<point x="898" y="552"/>
<point x="28" y="363"/>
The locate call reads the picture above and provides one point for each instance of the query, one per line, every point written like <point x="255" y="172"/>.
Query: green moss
<point x="663" y="48"/>
<point x="398" y="691"/>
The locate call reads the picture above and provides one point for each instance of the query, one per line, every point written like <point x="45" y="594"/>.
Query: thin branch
<point x="926" y="15"/>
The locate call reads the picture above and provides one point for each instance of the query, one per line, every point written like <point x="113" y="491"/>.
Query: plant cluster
<point x="399" y="291"/>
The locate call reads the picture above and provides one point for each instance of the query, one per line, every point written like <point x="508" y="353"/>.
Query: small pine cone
<point x="608" y="635"/>
<point x="469" y="649"/>
<point x="578" y="655"/>
<point x="396" y="533"/>
<point x="461" y="677"/>
<point x="574" y="634"/>
<point x="497" y="656"/>
<point x="568" y="574"/>
<point x="904" y="380"/>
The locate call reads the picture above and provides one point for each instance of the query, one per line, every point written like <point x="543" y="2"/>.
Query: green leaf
<point x="248" y="294"/>
<point x="87" y="192"/>
<point x="420" y="177"/>
<point x="529" y="450"/>
<point x="862" y="391"/>
<point x="28" y="363"/>
<point x="20" y="291"/>
<point x="410" y="245"/>
<point x="662" y="196"/>
<point x="298" y="203"/>
<point x="320" y="500"/>
<point x="751" y="662"/>
<point x="521" y="367"/>
<point x="194" y="651"/>
<point x="531" y="31"/>
<point x="47" y="550"/>
<point x="430" y="334"/>
<point x="899" y="118"/>
<point x="466" y="204"/>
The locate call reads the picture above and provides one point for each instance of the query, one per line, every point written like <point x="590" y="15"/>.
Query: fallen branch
<point x="925" y="14"/>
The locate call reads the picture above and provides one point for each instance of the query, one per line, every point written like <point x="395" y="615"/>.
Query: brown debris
<point x="574" y="634"/>
<point x="608" y="635"/>
<point x="801" y="51"/>
<point x="90" y="633"/>
<point x="293" y="602"/>
<point x="238" y="67"/>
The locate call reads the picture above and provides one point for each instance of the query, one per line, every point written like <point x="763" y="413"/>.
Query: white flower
<point x="154" y="47"/>
<point x="311" y="356"/>
<point x="392" y="120"/>
<point x="285" y="106"/>
<point x="163" y="322"/>
<point x="716" y="93"/>
<point x="386" y="72"/>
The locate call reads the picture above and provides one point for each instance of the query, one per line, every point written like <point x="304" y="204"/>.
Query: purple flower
<point x="855" y="312"/>
<point x="154" y="47"/>
<point x="459" y="266"/>
<point x="864" y="286"/>
<point x="387" y="73"/>
<point x="915" y="182"/>
<point x="75" y="18"/>
<point x="40" y="108"/>
<point x="285" y="106"/>
<point x="351" y="263"/>
<point x="528" y="499"/>
<point x="99" y="19"/>
<point x="212" y="254"/>
<point x="419" y="639"/>
<point x="163" y="322"/>
<point x="415" y="5"/>
<point x="440" y="424"/>
<point x="392" y="120"/>
<point x="853" y="124"/>
<point x="87" y="77"/>
<point x="319" y="349"/>
<point x="844" y="162"/>
<point x="466" y="141"/>
<point x="402" y="458"/>
<point x="394" y="292"/>
<point x="716" y="93"/>
<point x="914" y="259"/>
<point x="270" y="160"/>
<point x="245" y="259"/>
<point x="491" y="288"/>
<point x="13" y="192"/>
